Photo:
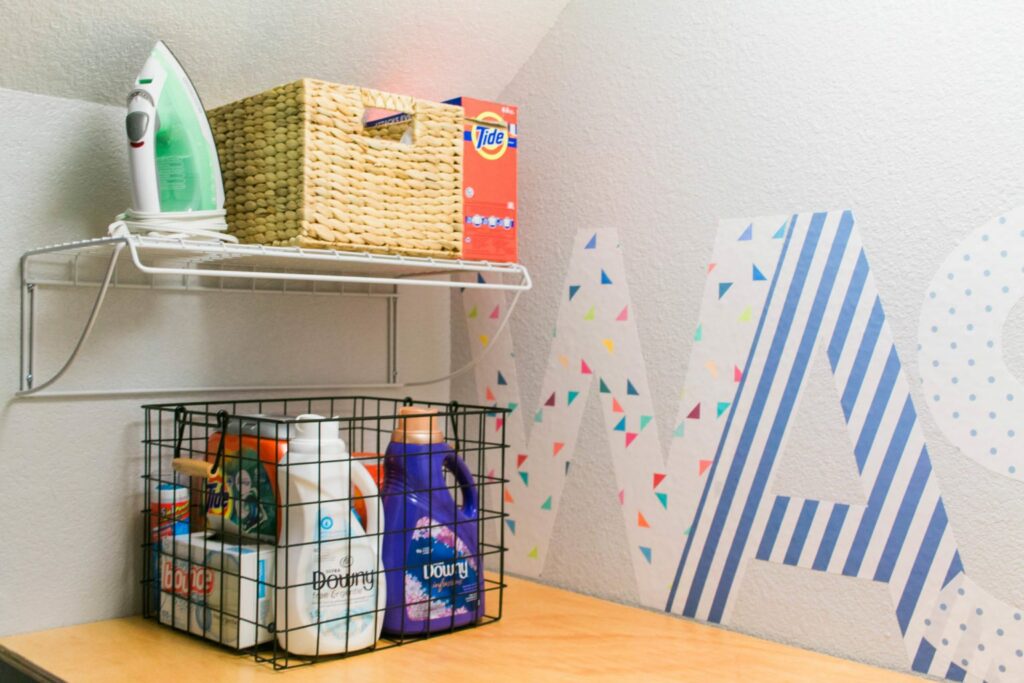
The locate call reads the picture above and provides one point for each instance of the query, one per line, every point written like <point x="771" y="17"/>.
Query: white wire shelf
<point x="175" y="263"/>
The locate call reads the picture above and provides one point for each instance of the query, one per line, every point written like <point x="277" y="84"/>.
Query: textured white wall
<point x="92" y="50"/>
<point x="659" y="119"/>
<point x="70" y="492"/>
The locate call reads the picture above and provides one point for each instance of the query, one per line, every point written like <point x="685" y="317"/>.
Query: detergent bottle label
<point x="441" y="573"/>
<point x="343" y="581"/>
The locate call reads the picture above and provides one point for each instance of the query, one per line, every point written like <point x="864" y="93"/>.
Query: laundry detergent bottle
<point x="330" y="596"/>
<point x="431" y="554"/>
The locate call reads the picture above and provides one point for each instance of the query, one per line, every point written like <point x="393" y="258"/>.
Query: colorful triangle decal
<point x="572" y="397"/>
<point x="722" y="407"/>
<point x="592" y="244"/>
<point x="703" y="466"/>
<point x="508" y="496"/>
<point x="498" y="424"/>
<point x="495" y="312"/>
<point x="564" y="360"/>
<point x="484" y="339"/>
<point x="630" y="438"/>
<point x="604" y="387"/>
<point x="605" y="280"/>
<point x="623" y="315"/>
<point x="699" y="333"/>
<point x="472" y="313"/>
<point x="489" y="394"/>
<point x="663" y="499"/>
<point x="723" y="287"/>
<point x="621" y="426"/>
<point x="584" y="368"/>
<point x="658" y="478"/>
<point x="572" y="291"/>
<point x="609" y="344"/>
<point x="533" y="553"/>
<point x="525" y="476"/>
<point x="589" y="314"/>
<point x="512" y="405"/>
<point x="746" y="315"/>
<point x="557" y="447"/>
<point x="630" y="389"/>
<point x="781" y="232"/>
<point x="711" y="266"/>
<point x="758" y="275"/>
<point x="501" y="379"/>
<point x="480" y="279"/>
<point x="712" y="368"/>
<point x="748" y="234"/>
<point x="511" y="524"/>
<point x="616" y="406"/>
<point x="694" y="413"/>
<point x="622" y="497"/>
<point x="680" y="430"/>
<point x="737" y="374"/>
<point x="644" y="421"/>
<point x="546" y="505"/>
<point x="539" y="416"/>
<point x="646" y="552"/>
<point x="641" y="521"/>
<point x="520" y="459"/>
<point x="551" y="400"/>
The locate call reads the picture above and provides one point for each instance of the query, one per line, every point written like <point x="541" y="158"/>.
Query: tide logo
<point x="490" y="142"/>
<point x="218" y="502"/>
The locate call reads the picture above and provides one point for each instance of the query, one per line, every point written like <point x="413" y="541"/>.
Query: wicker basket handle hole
<point x="389" y="124"/>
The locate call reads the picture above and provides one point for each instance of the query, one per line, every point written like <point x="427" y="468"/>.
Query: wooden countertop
<point x="546" y="634"/>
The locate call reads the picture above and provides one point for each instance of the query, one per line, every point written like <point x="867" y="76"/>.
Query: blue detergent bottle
<point x="431" y="554"/>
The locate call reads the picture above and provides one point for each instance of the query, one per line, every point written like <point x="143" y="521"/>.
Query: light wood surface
<point x="545" y="634"/>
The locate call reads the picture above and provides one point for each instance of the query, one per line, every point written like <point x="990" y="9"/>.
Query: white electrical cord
<point x="191" y="224"/>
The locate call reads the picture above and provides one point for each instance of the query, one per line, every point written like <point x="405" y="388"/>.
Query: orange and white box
<point x="489" y="209"/>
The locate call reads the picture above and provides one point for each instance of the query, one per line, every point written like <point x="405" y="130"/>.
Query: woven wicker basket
<point x="300" y="168"/>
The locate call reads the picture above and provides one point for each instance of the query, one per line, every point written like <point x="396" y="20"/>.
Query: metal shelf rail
<point x="137" y="261"/>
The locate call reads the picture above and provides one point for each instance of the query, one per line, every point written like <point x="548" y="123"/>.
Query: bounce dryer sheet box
<point x="490" y="150"/>
<point x="226" y="588"/>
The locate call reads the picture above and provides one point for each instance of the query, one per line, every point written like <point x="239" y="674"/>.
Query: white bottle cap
<point x="320" y="437"/>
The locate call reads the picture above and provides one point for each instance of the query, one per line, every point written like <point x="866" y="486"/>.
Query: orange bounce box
<point x="489" y="209"/>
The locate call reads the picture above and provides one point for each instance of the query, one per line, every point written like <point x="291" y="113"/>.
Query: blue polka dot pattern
<point x="962" y="321"/>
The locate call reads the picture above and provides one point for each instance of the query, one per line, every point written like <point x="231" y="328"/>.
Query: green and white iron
<point x="176" y="182"/>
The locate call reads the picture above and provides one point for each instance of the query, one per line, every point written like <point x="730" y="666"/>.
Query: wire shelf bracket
<point x="133" y="261"/>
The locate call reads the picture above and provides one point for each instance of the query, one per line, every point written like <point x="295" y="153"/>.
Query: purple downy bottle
<point x="431" y="555"/>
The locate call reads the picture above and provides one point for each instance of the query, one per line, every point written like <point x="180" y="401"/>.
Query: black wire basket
<point x="305" y="529"/>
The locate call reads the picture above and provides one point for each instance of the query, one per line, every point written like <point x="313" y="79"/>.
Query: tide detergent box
<point x="218" y="589"/>
<point x="489" y="209"/>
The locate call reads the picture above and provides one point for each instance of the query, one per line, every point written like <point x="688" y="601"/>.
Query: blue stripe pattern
<point x="828" y="541"/>
<point x="908" y="508"/>
<point x="750" y="427"/>
<point x="772" y="530"/>
<point x="874" y="388"/>
<point x="850" y="305"/>
<point x="803" y="525"/>
<point x="731" y="415"/>
<point x="789" y="394"/>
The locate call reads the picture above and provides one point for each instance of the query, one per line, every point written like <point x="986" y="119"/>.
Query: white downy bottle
<point x="328" y="566"/>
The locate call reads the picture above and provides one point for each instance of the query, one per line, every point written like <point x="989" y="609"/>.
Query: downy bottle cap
<point x="312" y="440"/>
<point x="417" y="425"/>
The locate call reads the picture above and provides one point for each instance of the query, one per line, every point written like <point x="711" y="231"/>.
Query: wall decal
<point x="697" y="518"/>
<point x="823" y="292"/>
<point x="975" y="399"/>
<point x="596" y="347"/>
